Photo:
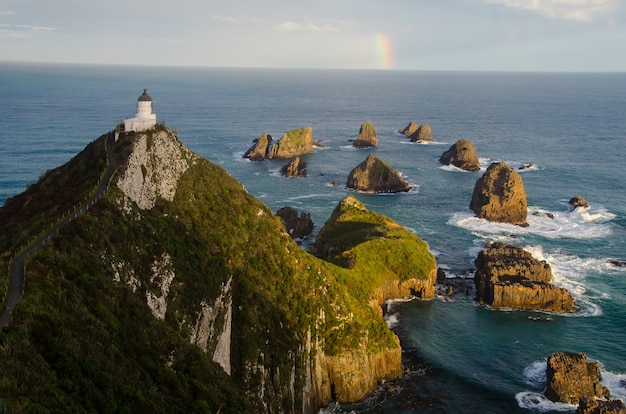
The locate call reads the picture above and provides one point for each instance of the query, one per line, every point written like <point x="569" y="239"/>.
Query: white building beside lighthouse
<point x="144" y="118"/>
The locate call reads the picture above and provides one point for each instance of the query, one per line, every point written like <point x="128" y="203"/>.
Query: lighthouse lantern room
<point x="144" y="118"/>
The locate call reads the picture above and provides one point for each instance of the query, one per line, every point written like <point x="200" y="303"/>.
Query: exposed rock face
<point x="509" y="277"/>
<point x="499" y="195"/>
<point x="375" y="176"/>
<point x="462" y="155"/>
<point x="595" y="406"/>
<point x="260" y="149"/>
<point x="293" y="144"/>
<point x="569" y="377"/>
<point x="423" y="133"/>
<point x="367" y="136"/>
<point x="296" y="168"/>
<point x="298" y="227"/>
<point x="578" y="201"/>
<point x="409" y="129"/>
<point x="154" y="167"/>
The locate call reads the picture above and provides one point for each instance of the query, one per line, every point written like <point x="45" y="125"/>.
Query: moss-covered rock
<point x="293" y="144"/>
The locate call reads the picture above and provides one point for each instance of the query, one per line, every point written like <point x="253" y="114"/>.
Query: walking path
<point x="18" y="266"/>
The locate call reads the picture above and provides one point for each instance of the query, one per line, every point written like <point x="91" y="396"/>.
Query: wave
<point x="519" y="166"/>
<point x="577" y="224"/>
<point x="535" y="377"/>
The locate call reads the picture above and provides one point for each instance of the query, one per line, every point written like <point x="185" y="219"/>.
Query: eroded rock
<point x="578" y="201"/>
<point x="260" y="149"/>
<point x="499" y="196"/>
<point x="375" y="176"/>
<point x="570" y="377"/>
<point x="367" y="136"/>
<point x="293" y="144"/>
<point x="462" y="155"/>
<point x="423" y="133"/>
<point x="298" y="226"/>
<point x="509" y="277"/>
<point x="296" y="168"/>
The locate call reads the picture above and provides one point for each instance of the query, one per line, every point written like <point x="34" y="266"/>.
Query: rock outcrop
<point x="423" y="133"/>
<point x="409" y="129"/>
<point x="260" y="149"/>
<point x="569" y="377"/>
<point x="499" y="196"/>
<point x="462" y="154"/>
<point x="375" y="176"/>
<point x="296" y="168"/>
<point x="596" y="406"/>
<point x="509" y="277"/>
<point x="293" y="144"/>
<point x="578" y="201"/>
<point x="154" y="167"/>
<point x="298" y="226"/>
<point x="367" y="136"/>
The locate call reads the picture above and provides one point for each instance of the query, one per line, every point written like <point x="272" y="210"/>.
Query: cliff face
<point x="508" y="277"/>
<point x="499" y="195"/>
<point x="180" y="283"/>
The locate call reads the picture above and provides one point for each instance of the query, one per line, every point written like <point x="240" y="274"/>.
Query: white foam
<point x="392" y="320"/>
<point x="538" y="402"/>
<point x="453" y="168"/>
<point x="616" y="383"/>
<point x="552" y="225"/>
<point x="535" y="374"/>
<point x="535" y="377"/>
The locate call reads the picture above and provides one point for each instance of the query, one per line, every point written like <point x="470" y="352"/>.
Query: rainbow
<point x="384" y="50"/>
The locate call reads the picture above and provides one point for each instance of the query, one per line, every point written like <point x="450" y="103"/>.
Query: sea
<point x="568" y="131"/>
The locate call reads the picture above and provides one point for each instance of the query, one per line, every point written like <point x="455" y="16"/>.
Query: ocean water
<point x="467" y="359"/>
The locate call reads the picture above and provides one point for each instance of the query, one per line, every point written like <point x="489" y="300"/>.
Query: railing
<point x="50" y="233"/>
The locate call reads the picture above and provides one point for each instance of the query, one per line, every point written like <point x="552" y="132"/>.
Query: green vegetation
<point x="83" y="338"/>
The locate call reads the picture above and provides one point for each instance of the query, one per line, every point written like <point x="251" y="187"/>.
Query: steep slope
<point x="179" y="292"/>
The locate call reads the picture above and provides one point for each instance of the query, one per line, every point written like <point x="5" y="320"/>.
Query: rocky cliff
<point x="376" y="176"/>
<point x="410" y="129"/>
<point x="367" y="136"/>
<point x="462" y="154"/>
<point x="509" y="277"/>
<point x="178" y="291"/>
<point x="499" y="195"/>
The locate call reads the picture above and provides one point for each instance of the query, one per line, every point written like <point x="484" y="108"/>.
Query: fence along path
<point x="18" y="266"/>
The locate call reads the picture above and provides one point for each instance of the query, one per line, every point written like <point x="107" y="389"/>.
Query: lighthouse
<point x="144" y="118"/>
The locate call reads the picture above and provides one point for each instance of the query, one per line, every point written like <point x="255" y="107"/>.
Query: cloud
<point x="327" y="26"/>
<point x="7" y="13"/>
<point x="23" y="31"/>
<point x="234" y="20"/>
<point x="579" y="10"/>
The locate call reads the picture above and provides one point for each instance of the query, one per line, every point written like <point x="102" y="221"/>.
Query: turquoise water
<point x="571" y="127"/>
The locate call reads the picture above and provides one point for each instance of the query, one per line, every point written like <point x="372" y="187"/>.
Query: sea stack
<point x="509" y="277"/>
<point x="462" y="154"/>
<point x="367" y="136"/>
<point x="375" y="176"/>
<point x="499" y="196"/>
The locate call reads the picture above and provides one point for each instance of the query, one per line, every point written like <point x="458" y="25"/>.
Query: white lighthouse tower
<point x="144" y="118"/>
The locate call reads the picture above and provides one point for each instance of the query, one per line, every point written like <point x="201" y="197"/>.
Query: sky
<point x="491" y="35"/>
